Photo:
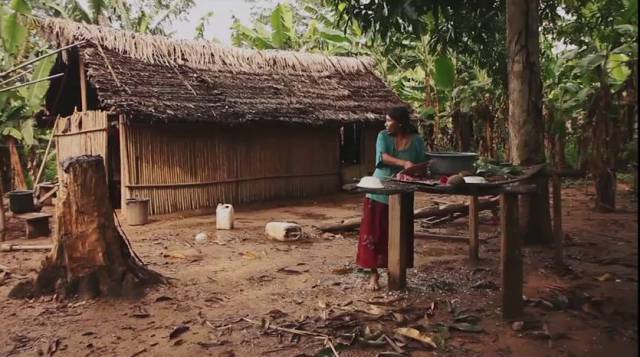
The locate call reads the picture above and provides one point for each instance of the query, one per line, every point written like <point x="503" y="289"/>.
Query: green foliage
<point x="444" y="72"/>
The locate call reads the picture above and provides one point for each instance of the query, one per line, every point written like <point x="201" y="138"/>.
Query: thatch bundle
<point x="198" y="54"/>
<point x="150" y="77"/>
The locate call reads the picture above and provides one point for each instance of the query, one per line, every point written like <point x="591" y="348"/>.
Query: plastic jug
<point x="224" y="216"/>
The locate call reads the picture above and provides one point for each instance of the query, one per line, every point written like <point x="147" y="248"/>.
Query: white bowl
<point x="370" y="182"/>
<point x="474" y="179"/>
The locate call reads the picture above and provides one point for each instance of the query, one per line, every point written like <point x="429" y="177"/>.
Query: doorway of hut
<point x="350" y="152"/>
<point x="113" y="166"/>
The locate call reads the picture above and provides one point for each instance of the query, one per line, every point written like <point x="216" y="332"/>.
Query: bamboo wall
<point x="82" y="133"/>
<point x="184" y="167"/>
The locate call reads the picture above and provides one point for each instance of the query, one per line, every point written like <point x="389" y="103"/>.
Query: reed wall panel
<point x="185" y="167"/>
<point x="82" y="133"/>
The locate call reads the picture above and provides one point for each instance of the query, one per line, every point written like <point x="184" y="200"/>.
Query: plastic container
<point x="21" y="201"/>
<point x="224" y="216"/>
<point x="137" y="211"/>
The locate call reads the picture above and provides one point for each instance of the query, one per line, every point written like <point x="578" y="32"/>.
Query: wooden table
<point x="400" y="254"/>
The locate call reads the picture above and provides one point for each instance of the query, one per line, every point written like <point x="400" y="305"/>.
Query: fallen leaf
<point x="178" y="330"/>
<point x="249" y="255"/>
<point x="400" y="318"/>
<point x="342" y="271"/>
<point x="53" y="347"/>
<point x="291" y="271"/>
<point x="208" y="344"/>
<point x="416" y="335"/>
<point x="276" y="314"/>
<point x="485" y="284"/>
<point x="140" y="312"/>
<point x="605" y="277"/>
<point x="472" y="319"/>
<point x="139" y="352"/>
<point x="466" y="327"/>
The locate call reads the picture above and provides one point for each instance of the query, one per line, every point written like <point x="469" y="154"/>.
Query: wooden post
<point x="408" y="224"/>
<point x="46" y="153"/>
<point x="83" y="83"/>
<point x="557" y="220"/>
<point x="474" y="242"/>
<point x="124" y="163"/>
<point x="511" y="258"/>
<point x="399" y="234"/>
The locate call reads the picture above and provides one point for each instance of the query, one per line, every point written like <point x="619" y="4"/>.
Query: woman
<point x="398" y="147"/>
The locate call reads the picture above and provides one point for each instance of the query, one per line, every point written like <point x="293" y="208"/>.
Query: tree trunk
<point x="604" y="149"/>
<point x="19" y="181"/>
<point x="90" y="256"/>
<point x="2" y="217"/>
<point x="526" y="126"/>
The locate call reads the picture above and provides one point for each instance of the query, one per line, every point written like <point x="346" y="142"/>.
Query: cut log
<point x="461" y="209"/>
<point x="91" y="256"/>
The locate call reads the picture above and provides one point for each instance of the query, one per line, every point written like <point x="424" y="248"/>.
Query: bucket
<point x="137" y="211"/>
<point x="21" y="201"/>
<point x="224" y="216"/>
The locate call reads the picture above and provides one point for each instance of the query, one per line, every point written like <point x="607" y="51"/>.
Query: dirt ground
<point x="314" y="286"/>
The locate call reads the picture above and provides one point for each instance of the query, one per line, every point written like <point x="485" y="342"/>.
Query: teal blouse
<point x="386" y="143"/>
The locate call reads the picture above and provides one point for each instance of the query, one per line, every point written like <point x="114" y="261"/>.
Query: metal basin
<point x="449" y="163"/>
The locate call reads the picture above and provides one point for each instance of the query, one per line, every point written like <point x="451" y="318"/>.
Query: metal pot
<point x="449" y="163"/>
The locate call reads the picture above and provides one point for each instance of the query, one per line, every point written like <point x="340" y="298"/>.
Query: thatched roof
<point x="158" y="78"/>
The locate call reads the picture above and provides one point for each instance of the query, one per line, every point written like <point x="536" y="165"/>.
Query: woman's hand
<point x="407" y="164"/>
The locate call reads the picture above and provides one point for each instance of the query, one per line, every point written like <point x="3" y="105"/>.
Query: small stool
<point x="36" y="224"/>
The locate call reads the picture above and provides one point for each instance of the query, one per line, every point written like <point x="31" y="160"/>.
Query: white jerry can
<point x="224" y="216"/>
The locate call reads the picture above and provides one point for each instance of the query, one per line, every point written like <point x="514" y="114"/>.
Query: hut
<point x="189" y="123"/>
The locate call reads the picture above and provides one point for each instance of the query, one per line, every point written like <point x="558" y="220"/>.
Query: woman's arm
<point x="394" y="161"/>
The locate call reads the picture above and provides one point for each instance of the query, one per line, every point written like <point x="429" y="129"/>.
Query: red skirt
<point x="373" y="241"/>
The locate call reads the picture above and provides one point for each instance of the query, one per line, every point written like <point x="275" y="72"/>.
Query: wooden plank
<point x="48" y="194"/>
<point x="557" y="220"/>
<point x="230" y="180"/>
<point x="80" y="132"/>
<point x="399" y="232"/>
<point x="32" y="215"/>
<point x="83" y="84"/>
<point x="474" y="243"/>
<point x="510" y="257"/>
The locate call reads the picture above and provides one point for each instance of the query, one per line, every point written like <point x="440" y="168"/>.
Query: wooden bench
<point x="36" y="224"/>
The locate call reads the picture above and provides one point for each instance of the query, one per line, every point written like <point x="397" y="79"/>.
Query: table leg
<point x="511" y="257"/>
<point x="474" y="242"/>
<point x="399" y="236"/>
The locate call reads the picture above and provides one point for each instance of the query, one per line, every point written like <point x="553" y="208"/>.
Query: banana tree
<point x="18" y="106"/>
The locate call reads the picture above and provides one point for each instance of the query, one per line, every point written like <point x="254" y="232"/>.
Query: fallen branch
<point x="18" y="247"/>
<point x="289" y="330"/>
<point x="461" y="208"/>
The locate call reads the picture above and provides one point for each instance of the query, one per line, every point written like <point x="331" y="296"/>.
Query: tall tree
<point x="526" y="125"/>
<point x="478" y="38"/>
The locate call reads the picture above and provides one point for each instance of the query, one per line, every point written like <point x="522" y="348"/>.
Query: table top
<point x="392" y="187"/>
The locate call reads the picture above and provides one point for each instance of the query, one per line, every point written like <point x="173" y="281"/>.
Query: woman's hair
<point x="402" y="115"/>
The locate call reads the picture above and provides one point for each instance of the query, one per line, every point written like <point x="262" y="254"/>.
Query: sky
<point x="220" y="23"/>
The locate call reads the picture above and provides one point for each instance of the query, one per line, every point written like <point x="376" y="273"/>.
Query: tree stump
<point x="90" y="256"/>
